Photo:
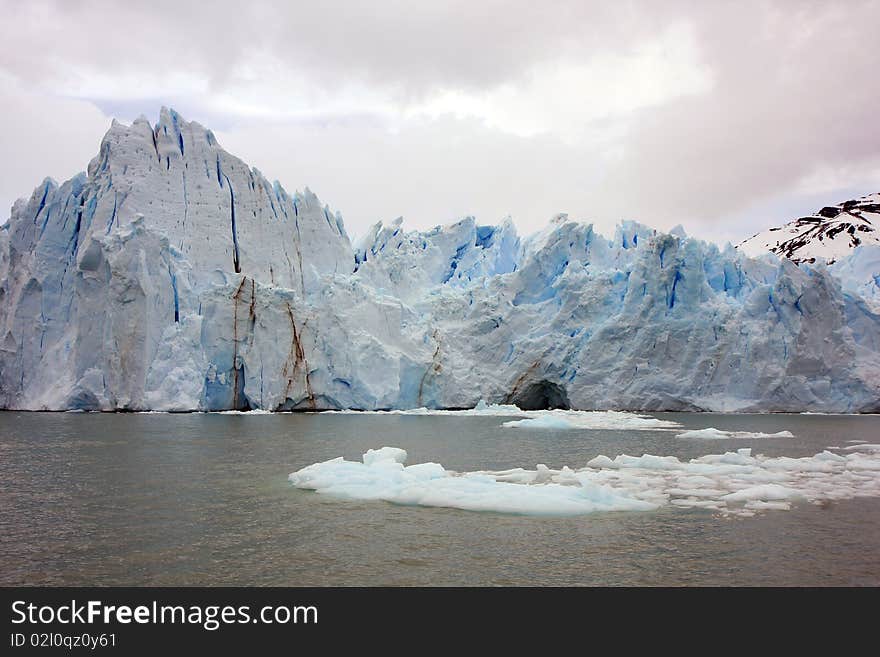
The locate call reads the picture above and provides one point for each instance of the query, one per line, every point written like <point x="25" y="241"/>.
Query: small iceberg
<point x="382" y="475"/>
<point x="733" y="483"/>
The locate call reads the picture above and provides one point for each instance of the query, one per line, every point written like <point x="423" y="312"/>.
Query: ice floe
<point x="733" y="483"/>
<point x="383" y="476"/>
<point x="589" y="420"/>
<point x="543" y="419"/>
<point x="863" y="447"/>
<point x="718" y="434"/>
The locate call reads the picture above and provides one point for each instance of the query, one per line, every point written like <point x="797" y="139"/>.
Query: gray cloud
<point x="794" y="95"/>
<point x="724" y="117"/>
<point x="395" y="43"/>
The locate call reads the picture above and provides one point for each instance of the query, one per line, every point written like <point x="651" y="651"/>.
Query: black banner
<point x="127" y="620"/>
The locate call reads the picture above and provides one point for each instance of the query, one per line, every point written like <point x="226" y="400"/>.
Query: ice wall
<point x="172" y="276"/>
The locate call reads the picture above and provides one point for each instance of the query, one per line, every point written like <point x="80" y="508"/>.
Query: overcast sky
<point x="726" y="117"/>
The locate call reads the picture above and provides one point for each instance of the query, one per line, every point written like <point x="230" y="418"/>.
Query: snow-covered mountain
<point x="831" y="234"/>
<point x="172" y="276"/>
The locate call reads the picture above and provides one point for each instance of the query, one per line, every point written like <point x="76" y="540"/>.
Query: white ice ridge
<point x="733" y="483"/>
<point x="719" y="434"/>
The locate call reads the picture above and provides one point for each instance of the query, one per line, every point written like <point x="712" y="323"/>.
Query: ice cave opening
<point x="541" y="395"/>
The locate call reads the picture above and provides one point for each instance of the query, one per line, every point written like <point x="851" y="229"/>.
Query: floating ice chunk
<point x="830" y="456"/>
<point x="711" y="433"/>
<point x="611" y="420"/>
<point x="382" y="476"/>
<point x="427" y="470"/>
<point x="541" y="422"/>
<point x="764" y="505"/>
<point x="737" y="482"/>
<point x="690" y="502"/>
<point x="718" y="434"/>
<point x="545" y="419"/>
<point x="646" y="462"/>
<point x="764" y="492"/>
<point x="392" y="454"/>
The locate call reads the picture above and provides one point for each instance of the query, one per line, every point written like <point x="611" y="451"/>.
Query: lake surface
<point x="203" y="499"/>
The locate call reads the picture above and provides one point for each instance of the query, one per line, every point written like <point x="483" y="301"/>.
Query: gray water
<point x="203" y="499"/>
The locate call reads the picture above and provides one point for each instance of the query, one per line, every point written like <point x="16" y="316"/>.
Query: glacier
<point x="172" y="276"/>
